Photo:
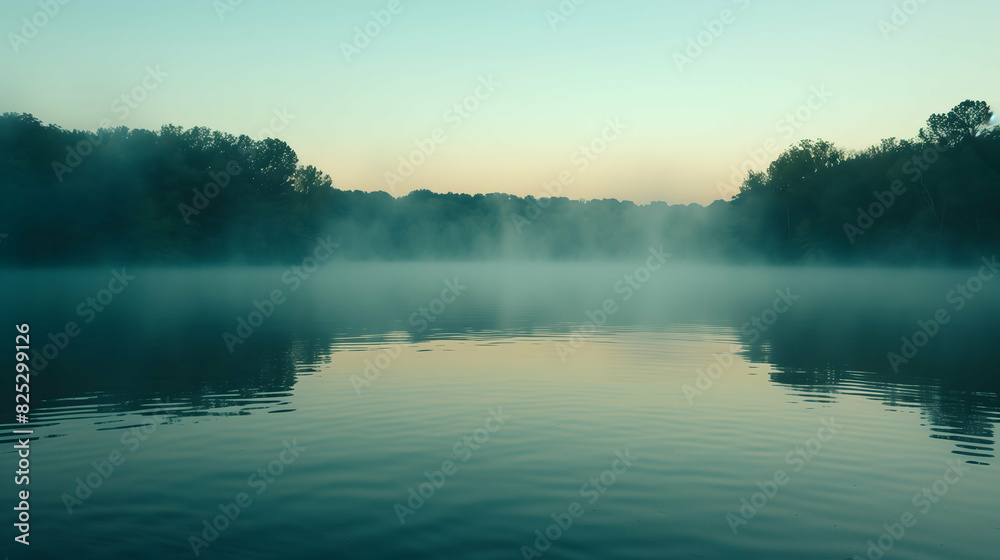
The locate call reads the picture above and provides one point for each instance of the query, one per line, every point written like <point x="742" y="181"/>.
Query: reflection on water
<point x="378" y="376"/>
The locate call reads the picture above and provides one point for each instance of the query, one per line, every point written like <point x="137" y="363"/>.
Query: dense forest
<point x="195" y="196"/>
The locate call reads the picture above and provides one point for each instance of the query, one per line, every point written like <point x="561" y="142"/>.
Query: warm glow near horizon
<point x="506" y="97"/>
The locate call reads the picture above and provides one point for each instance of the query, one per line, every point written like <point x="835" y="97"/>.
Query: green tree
<point x="962" y="123"/>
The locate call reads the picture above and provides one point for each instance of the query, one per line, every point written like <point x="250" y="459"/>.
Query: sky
<point x="632" y="99"/>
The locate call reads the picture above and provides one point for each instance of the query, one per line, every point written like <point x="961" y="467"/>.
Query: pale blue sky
<point x="686" y="130"/>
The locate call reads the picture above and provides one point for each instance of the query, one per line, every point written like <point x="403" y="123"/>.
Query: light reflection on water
<point x="152" y="379"/>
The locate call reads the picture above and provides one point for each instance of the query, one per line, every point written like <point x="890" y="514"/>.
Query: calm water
<point x="812" y="402"/>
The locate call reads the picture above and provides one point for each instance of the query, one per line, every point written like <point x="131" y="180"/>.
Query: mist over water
<point x="710" y="376"/>
<point x="500" y="280"/>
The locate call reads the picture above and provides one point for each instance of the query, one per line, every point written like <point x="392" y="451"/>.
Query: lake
<point x="641" y="409"/>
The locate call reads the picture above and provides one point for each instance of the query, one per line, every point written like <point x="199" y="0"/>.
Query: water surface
<point x="706" y="406"/>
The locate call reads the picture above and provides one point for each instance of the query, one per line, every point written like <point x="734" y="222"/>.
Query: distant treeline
<point x="200" y="196"/>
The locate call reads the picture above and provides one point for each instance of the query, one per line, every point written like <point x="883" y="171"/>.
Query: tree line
<point x="193" y="196"/>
